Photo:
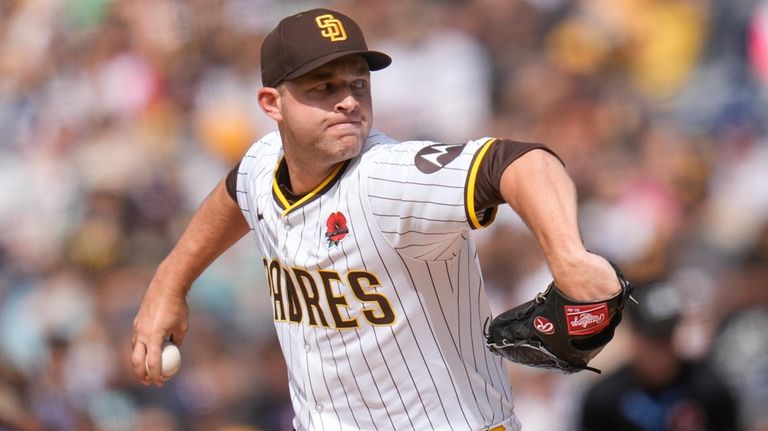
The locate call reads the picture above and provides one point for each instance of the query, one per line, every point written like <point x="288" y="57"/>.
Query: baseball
<point x="170" y="360"/>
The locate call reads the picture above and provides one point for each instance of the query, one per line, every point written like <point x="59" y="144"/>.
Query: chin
<point x="348" y="152"/>
<point x="349" y="146"/>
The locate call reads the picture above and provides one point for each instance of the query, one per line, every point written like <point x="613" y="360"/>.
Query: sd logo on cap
<point x="296" y="47"/>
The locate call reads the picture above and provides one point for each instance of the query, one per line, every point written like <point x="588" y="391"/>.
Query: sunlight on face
<point x="327" y="113"/>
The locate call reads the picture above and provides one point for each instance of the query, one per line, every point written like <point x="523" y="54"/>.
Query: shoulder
<point x="269" y="143"/>
<point x="265" y="151"/>
<point x="416" y="158"/>
<point x="378" y="145"/>
<point x="377" y="141"/>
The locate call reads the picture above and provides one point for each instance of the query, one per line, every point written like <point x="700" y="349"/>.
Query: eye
<point x="322" y="87"/>
<point x="359" y="84"/>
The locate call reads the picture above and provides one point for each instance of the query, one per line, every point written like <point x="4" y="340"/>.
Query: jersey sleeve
<point x="427" y="196"/>
<point x="231" y="182"/>
<point x="418" y="193"/>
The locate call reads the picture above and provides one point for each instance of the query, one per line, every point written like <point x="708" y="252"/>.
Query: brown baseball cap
<point x="303" y="42"/>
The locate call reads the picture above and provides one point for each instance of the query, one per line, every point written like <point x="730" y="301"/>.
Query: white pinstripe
<point x="429" y="369"/>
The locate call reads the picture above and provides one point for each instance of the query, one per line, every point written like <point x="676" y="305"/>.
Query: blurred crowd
<point x="117" y="117"/>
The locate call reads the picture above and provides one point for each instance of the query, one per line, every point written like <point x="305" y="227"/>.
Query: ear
<point x="269" y="101"/>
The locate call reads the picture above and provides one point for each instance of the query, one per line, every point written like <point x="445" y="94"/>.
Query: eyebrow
<point x="323" y="74"/>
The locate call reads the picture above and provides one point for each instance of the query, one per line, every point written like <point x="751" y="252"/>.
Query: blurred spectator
<point x="741" y="354"/>
<point x="739" y="345"/>
<point x="430" y="73"/>
<point x="117" y="116"/>
<point x="758" y="41"/>
<point x="14" y="412"/>
<point x="658" y="389"/>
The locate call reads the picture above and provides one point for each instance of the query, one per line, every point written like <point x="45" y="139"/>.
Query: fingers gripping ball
<point x="170" y="360"/>
<point x="553" y="331"/>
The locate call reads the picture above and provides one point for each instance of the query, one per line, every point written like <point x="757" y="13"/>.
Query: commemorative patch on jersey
<point x="586" y="319"/>
<point x="336" y="229"/>
<point x="432" y="158"/>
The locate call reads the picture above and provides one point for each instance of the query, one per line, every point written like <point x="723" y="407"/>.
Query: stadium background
<point x="118" y="116"/>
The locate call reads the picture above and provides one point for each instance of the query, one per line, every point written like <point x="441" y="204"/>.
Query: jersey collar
<point x="288" y="201"/>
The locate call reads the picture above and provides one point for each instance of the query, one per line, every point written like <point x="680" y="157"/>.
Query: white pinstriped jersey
<point x="377" y="295"/>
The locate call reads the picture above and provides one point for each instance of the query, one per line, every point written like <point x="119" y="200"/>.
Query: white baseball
<point x="170" y="360"/>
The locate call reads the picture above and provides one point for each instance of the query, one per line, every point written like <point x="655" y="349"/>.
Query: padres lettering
<point x="318" y="297"/>
<point x="331" y="28"/>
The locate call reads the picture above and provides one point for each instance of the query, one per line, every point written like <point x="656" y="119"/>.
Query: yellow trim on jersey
<point x="470" y="203"/>
<point x="276" y="188"/>
<point x="287" y="205"/>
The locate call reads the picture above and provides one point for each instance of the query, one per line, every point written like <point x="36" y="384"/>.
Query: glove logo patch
<point x="543" y="325"/>
<point x="586" y="319"/>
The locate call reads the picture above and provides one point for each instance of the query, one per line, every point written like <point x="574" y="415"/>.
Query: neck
<point x="306" y="177"/>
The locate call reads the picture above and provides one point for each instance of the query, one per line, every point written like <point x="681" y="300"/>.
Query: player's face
<point x="327" y="112"/>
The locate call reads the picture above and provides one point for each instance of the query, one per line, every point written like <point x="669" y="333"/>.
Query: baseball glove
<point x="555" y="332"/>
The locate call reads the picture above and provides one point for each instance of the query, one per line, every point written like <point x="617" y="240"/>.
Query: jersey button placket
<point x="287" y="226"/>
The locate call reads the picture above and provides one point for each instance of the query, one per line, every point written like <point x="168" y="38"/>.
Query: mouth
<point x="345" y="124"/>
<point x="346" y="127"/>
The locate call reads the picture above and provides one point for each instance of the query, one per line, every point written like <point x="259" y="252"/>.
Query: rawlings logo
<point x="543" y="325"/>
<point x="586" y="319"/>
<point x="336" y="229"/>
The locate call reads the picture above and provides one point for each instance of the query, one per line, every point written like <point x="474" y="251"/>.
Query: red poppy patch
<point x="336" y="229"/>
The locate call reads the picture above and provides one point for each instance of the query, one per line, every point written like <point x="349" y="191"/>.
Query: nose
<point x="348" y="103"/>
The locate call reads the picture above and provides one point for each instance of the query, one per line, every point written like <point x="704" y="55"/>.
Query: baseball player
<point x="376" y="291"/>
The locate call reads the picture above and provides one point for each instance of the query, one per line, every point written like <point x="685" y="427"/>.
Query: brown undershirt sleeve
<point x="500" y="154"/>
<point x="231" y="182"/>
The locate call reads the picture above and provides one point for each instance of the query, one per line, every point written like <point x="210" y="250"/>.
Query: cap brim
<point x="376" y="61"/>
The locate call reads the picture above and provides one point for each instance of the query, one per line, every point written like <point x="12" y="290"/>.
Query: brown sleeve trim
<point x="499" y="156"/>
<point x="231" y="182"/>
